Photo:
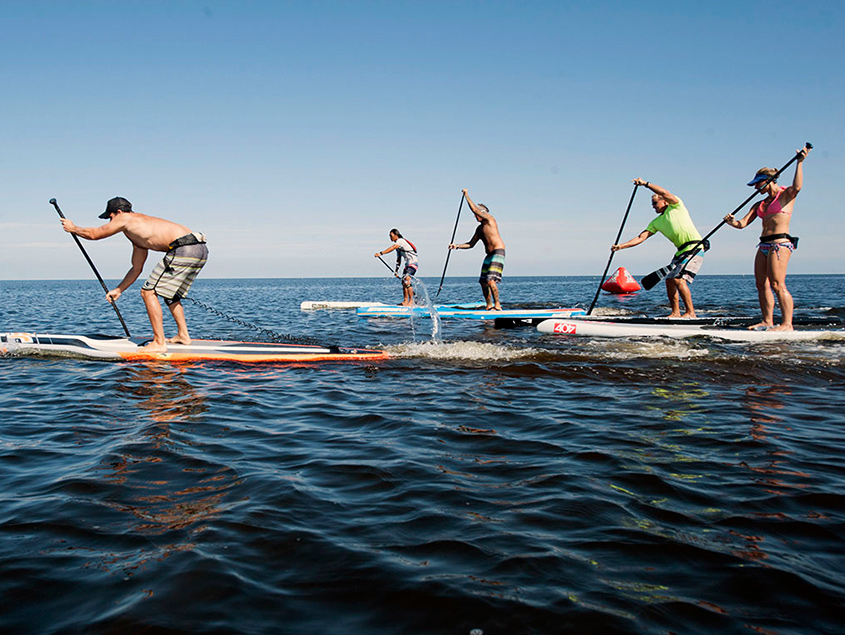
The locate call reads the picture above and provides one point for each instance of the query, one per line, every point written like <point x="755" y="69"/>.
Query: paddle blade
<point x="654" y="277"/>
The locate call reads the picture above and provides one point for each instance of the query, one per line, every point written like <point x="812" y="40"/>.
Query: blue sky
<point x="297" y="134"/>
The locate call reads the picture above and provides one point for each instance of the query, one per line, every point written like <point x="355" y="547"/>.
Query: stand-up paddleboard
<point x="723" y="320"/>
<point x="447" y="311"/>
<point x="313" y="305"/>
<point x="121" y="348"/>
<point x="606" y="328"/>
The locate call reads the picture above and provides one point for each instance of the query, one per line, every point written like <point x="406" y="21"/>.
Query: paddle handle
<point x="93" y="268"/>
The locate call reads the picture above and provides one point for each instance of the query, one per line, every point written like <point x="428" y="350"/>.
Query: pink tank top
<point x="773" y="207"/>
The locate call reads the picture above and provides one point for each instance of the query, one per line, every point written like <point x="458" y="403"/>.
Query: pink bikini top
<point x="773" y="207"/>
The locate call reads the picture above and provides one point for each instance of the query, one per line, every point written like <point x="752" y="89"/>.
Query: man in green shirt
<point x="674" y="222"/>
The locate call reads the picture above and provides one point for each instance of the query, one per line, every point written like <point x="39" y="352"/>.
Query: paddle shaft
<point x="94" y="269"/>
<point x="691" y="254"/>
<point x="618" y="236"/>
<point x="774" y="176"/>
<point x="389" y="267"/>
<point x="449" y="252"/>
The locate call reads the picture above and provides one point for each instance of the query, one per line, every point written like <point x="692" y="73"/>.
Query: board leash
<point x="277" y="337"/>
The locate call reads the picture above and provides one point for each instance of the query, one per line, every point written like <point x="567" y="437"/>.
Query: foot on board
<point x="760" y="326"/>
<point x="780" y="327"/>
<point x="152" y="348"/>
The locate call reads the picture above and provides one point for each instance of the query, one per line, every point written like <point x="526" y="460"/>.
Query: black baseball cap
<point x="118" y="203"/>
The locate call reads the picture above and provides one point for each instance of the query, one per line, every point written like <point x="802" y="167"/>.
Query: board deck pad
<point x="107" y="347"/>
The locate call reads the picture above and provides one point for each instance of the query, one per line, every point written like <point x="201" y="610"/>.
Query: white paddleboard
<point x="130" y="349"/>
<point x="604" y="328"/>
<point x="314" y="305"/>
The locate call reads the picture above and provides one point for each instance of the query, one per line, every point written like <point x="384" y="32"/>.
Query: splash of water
<point x="420" y="290"/>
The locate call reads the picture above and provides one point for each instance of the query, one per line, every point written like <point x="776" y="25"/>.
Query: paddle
<point x="449" y="252"/>
<point x="96" y="273"/>
<point x="618" y="236"/>
<point x="656" y="276"/>
<point x="395" y="275"/>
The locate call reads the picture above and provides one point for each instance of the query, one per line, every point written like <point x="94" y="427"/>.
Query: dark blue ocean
<point x="481" y="481"/>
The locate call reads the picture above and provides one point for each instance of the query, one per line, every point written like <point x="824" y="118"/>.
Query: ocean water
<point x="480" y="481"/>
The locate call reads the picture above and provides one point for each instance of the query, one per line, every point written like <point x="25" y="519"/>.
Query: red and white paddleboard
<point x="129" y="349"/>
<point x="606" y="328"/>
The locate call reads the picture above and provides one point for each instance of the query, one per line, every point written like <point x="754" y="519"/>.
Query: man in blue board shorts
<point x="185" y="255"/>
<point x="673" y="221"/>
<point x="494" y="262"/>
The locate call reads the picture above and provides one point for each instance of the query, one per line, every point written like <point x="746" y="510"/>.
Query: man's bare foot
<point x="178" y="340"/>
<point x="760" y="326"/>
<point x="153" y="348"/>
<point x="688" y="314"/>
<point x="498" y="307"/>
<point x="781" y="327"/>
<point x="674" y="315"/>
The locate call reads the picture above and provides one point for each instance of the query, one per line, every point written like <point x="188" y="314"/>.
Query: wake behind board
<point x="105" y="347"/>
<point x="449" y="311"/>
<point x="605" y="328"/>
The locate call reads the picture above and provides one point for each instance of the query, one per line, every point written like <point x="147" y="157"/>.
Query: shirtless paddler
<point x="494" y="262"/>
<point x="185" y="255"/>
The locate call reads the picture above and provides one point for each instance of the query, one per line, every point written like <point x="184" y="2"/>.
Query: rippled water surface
<point x="501" y="481"/>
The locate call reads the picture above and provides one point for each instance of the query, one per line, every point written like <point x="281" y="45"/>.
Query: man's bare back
<point x="488" y="233"/>
<point x="145" y="232"/>
<point x="150" y="232"/>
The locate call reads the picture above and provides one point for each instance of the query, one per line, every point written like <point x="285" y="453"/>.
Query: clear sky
<point x="297" y="134"/>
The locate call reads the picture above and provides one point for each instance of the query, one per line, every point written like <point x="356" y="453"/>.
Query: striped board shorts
<point x="492" y="267"/>
<point x="686" y="271"/>
<point x="174" y="275"/>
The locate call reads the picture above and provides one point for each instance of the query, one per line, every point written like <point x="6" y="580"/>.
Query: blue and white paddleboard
<point x="313" y="305"/>
<point x="449" y="311"/>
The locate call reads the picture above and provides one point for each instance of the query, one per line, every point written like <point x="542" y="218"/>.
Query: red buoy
<point x="621" y="282"/>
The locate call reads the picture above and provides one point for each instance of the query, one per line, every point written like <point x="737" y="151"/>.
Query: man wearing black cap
<point x="185" y="255"/>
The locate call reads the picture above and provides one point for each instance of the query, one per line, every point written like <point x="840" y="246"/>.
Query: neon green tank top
<point x="675" y="223"/>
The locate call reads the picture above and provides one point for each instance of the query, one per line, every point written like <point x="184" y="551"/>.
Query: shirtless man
<point x="776" y="245"/>
<point x="494" y="263"/>
<point x="185" y="254"/>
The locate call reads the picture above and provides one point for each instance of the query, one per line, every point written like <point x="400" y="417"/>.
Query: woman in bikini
<point x="776" y="245"/>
